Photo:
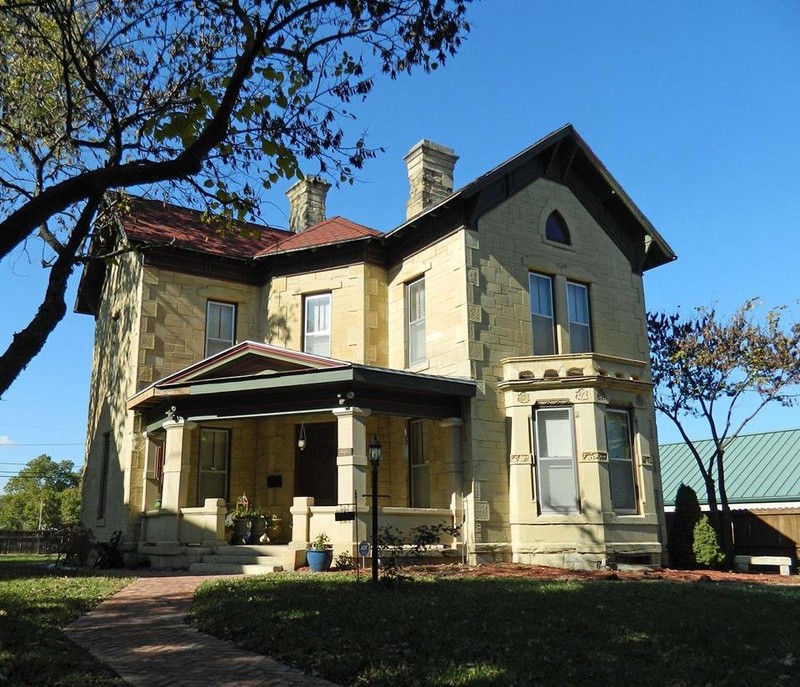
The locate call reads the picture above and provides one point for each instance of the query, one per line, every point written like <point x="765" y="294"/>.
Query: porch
<point x="297" y="447"/>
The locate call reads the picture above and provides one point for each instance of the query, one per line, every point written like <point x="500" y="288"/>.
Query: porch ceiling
<point x="380" y="390"/>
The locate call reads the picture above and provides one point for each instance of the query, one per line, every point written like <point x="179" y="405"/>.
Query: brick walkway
<point x="141" y="633"/>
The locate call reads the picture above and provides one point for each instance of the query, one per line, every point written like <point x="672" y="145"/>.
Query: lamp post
<point x="375" y="455"/>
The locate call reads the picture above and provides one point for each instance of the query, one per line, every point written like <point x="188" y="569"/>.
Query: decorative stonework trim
<point x="647" y="461"/>
<point x="342" y="452"/>
<point x="582" y="395"/>
<point x="481" y="511"/>
<point x="520" y="458"/>
<point x="553" y="402"/>
<point x="473" y="277"/>
<point x="474" y="313"/>
<point x="594" y="457"/>
<point x="523" y="397"/>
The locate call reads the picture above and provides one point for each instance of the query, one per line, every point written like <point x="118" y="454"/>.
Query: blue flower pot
<point x="319" y="560"/>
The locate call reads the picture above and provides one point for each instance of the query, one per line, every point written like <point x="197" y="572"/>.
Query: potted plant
<point x="320" y="553"/>
<point x="250" y="526"/>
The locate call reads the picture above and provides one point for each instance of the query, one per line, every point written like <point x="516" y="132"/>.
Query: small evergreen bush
<point x="706" y="545"/>
<point x="681" y="533"/>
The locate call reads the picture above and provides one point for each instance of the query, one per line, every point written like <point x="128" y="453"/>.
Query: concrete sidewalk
<point x="141" y="633"/>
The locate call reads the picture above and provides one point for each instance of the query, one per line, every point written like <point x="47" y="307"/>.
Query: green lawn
<point x="36" y="602"/>
<point x="512" y="631"/>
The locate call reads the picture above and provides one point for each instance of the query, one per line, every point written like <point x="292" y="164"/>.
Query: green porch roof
<point x="759" y="468"/>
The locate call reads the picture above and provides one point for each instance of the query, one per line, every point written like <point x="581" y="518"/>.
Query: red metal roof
<point x="157" y="223"/>
<point x="333" y="230"/>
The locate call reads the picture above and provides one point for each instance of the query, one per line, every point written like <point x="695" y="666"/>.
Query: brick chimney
<point x="307" y="203"/>
<point x="430" y="174"/>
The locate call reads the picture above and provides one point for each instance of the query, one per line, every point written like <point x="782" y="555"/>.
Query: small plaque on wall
<point x="274" y="481"/>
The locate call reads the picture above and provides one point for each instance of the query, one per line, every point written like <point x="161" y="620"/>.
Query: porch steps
<point x="246" y="560"/>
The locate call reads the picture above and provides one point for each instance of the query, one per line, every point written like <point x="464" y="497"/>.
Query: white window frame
<point x="419" y="472"/>
<point x="621" y="465"/>
<point x="415" y="322"/>
<point x="579" y="318"/>
<point x="556" y="467"/>
<point x="317" y="324"/>
<point x="219" y="462"/>
<point x="540" y="292"/>
<point x="217" y="341"/>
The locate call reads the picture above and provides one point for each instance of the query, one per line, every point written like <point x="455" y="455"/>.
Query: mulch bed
<point x="515" y="570"/>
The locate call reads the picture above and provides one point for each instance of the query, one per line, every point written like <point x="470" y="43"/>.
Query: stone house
<point x="494" y="343"/>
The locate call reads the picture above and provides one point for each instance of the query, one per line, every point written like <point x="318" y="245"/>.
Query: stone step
<point x="215" y="568"/>
<point x="243" y="558"/>
<point x="277" y="550"/>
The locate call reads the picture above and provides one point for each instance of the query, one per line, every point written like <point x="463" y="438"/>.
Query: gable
<point x="562" y="157"/>
<point x="250" y="358"/>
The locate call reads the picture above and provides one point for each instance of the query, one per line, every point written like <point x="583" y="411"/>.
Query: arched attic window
<point x="556" y="229"/>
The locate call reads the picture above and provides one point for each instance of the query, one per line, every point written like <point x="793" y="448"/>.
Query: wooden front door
<point x="315" y="466"/>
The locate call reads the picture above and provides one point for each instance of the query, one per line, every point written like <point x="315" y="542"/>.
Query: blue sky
<point x="693" y="107"/>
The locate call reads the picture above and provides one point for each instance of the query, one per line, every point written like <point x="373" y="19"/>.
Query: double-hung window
<point x="415" y="322"/>
<point x="317" y="334"/>
<point x="620" y="461"/>
<point x="555" y="462"/>
<point x="580" y="334"/>
<point x="220" y="325"/>
<point x="542" y="320"/>
<point x="213" y="464"/>
<point x="419" y="467"/>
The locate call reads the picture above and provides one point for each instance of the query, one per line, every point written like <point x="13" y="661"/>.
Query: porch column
<point x="351" y="459"/>
<point x="454" y="467"/>
<point x="521" y="496"/>
<point x="175" y="482"/>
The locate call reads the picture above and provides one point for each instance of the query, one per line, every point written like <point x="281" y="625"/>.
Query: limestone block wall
<point x="110" y="427"/>
<point x="510" y="243"/>
<point x="442" y="264"/>
<point x="358" y="311"/>
<point x="173" y="319"/>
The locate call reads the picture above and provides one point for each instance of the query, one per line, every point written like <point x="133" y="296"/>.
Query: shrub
<point x="681" y="533"/>
<point x="706" y="546"/>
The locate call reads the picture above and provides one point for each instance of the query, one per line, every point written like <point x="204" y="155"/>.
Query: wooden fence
<point x="31" y="541"/>
<point x="764" y="531"/>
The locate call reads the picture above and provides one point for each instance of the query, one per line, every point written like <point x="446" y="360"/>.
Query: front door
<point x="315" y="465"/>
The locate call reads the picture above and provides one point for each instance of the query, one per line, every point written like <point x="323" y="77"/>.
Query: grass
<point x="36" y="602"/>
<point x="480" y="632"/>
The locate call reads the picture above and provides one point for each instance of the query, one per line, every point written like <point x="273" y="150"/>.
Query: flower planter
<point x="248" y="531"/>
<point x="319" y="560"/>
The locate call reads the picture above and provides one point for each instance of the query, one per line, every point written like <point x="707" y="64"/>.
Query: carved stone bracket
<point x="521" y="459"/>
<point x="523" y="397"/>
<point x="594" y="457"/>
<point x="647" y="461"/>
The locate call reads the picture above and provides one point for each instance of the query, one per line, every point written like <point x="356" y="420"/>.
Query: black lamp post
<point x="375" y="455"/>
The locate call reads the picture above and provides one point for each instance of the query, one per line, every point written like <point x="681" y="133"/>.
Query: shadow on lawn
<point x="503" y="631"/>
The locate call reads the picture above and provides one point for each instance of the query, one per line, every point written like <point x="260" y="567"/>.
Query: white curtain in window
<point x="580" y="338"/>
<point x="555" y="461"/>
<point x="415" y="305"/>
<point x="541" y="295"/>
<point x="317" y="338"/>
<point x="220" y="319"/>
<point x="618" y="441"/>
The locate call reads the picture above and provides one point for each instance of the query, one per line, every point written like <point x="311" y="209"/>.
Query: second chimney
<point x="430" y="174"/>
<point x="307" y="203"/>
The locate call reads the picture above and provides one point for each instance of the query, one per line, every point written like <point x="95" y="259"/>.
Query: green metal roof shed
<point x="761" y="470"/>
